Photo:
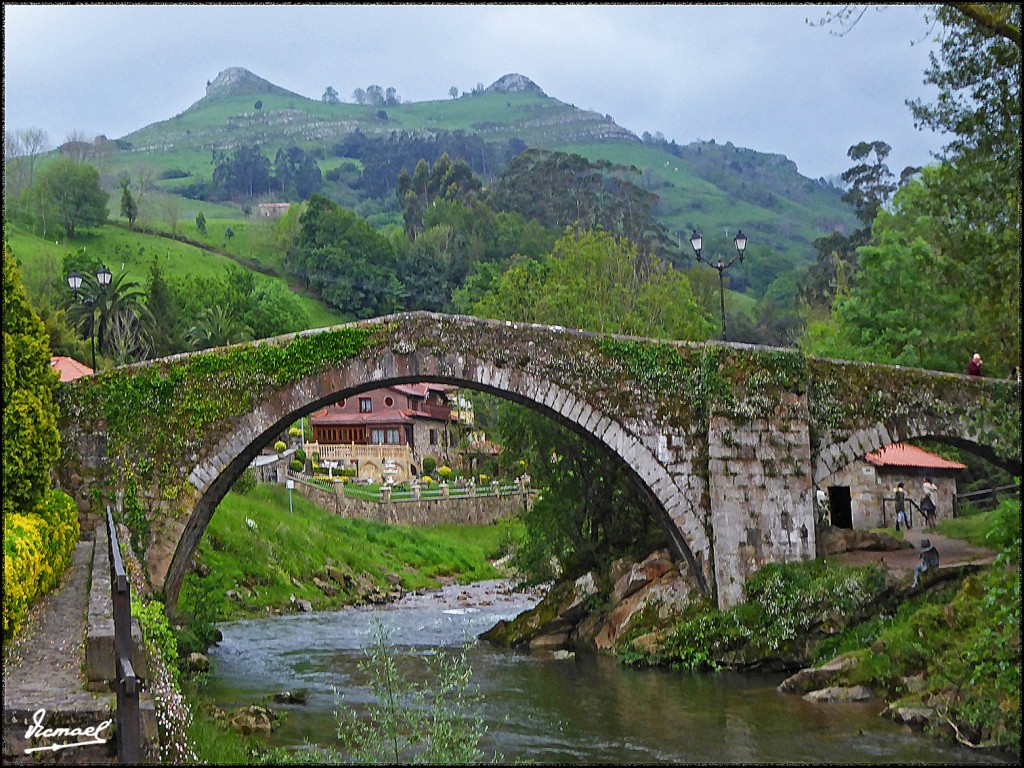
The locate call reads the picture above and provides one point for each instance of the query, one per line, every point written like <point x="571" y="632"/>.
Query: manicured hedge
<point x="37" y="551"/>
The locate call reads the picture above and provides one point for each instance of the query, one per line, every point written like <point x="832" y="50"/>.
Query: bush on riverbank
<point x="789" y="607"/>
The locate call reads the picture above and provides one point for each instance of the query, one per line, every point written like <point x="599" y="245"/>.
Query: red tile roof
<point x="902" y="455"/>
<point x="69" y="368"/>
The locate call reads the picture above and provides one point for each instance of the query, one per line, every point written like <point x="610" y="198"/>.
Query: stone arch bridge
<point x="726" y="440"/>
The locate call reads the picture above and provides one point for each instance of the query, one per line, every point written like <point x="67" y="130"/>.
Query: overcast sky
<point x="757" y="75"/>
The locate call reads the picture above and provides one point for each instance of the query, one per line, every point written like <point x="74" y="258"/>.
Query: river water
<point x="546" y="710"/>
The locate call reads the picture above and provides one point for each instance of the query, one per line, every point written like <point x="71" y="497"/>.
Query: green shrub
<point x="300" y="455"/>
<point x="295" y="465"/>
<point x="246" y="482"/>
<point x="31" y="440"/>
<point x="37" y="550"/>
<point x="280" y="445"/>
<point x="429" y="465"/>
<point x="444" y="472"/>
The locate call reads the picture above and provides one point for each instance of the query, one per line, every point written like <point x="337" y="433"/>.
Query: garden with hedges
<point x="40" y="523"/>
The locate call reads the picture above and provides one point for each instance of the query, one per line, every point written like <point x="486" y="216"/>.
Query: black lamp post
<point x="741" y="245"/>
<point x="75" y="282"/>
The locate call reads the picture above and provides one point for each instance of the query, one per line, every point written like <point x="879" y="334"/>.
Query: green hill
<point x="714" y="188"/>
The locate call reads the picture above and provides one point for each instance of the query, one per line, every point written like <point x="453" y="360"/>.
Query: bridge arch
<point x="216" y="471"/>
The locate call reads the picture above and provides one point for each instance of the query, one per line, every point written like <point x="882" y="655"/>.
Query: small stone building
<point x="861" y="495"/>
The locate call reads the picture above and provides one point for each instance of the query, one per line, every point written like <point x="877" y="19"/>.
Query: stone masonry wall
<point x="761" y="497"/>
<point x="480" y="510"/>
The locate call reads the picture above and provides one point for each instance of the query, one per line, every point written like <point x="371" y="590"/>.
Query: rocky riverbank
<point x="889" y="641"/>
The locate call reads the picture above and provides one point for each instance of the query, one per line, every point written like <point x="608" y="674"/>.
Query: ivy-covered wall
<point x="169" y="436"/>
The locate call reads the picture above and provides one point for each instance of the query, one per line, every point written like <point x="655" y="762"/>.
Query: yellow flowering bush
<point x="37" y="550"/>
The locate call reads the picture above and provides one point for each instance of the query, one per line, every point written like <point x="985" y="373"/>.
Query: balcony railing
<point x="345" y="452"/>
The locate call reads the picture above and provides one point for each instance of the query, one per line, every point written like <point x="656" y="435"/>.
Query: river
<point x="541" y="709"/>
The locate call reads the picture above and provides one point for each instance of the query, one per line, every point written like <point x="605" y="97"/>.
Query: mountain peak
<point x="514" y="83"/>
<point x="239" y="80"/>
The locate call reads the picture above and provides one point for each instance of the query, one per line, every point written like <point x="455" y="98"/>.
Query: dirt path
<point x="951" y="552"/>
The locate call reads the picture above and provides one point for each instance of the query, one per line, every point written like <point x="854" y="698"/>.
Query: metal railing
<point x="129" y="731"/>
<point x="433" y="492"/>
<point x="911" y="505"/>
<point x="985" y="499"/>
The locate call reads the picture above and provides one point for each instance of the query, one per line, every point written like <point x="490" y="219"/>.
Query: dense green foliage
<point x="345" y="260"/>
<point x="561" y="189"/>
<point x="69" y="193"/>
<point x="786" y="603"/>
<point x="31" y="441"/>
<point x="38" y="544"/>
<point x="590" y="509"/>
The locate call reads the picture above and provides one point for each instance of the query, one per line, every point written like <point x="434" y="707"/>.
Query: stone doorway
<point x="839" y="507"/>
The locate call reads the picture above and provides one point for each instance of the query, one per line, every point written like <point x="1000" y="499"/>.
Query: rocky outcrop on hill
<point x="514" y="83"/>
<point x="566" y="618"/>
<point x="240" y="80"/>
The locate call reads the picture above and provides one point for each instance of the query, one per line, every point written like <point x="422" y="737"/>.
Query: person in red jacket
<point x="974" y="367"/>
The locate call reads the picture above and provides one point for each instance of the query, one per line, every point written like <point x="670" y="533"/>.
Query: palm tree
<point x="121" y="297"/>
<point x="216" y="327"/>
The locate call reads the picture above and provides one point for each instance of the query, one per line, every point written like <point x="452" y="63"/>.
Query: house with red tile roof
<point x="69" y="368"/>
<point x="393" y="428"/>
<point x="857" y="494"/>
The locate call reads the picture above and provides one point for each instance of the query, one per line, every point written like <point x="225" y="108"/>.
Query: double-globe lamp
<point x="741" y="245"/>
<point x="103" y="277"/>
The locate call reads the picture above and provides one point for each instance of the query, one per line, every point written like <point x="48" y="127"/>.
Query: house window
<point x="365" y="405"/>
<point x="392" y="437"/>
<point x="377" y="436"/>
<point x="389" y="401"/>
<point x="433" y="437"/>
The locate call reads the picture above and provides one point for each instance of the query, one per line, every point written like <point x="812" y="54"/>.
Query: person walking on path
<point x="930" y="501"/>
<point x="901" y="507"/>
<point x="974" y="367"/>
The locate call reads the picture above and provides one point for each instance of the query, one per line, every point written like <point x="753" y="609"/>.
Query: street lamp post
<point x="75" y="283"/>
<point x="741" y="245"/>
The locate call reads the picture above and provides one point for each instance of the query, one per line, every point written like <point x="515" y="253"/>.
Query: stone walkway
<point x="952" y="552"/>
<point x="44" y="669"/>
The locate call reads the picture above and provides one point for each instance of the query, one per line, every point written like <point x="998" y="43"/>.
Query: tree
<point x="71" y="193"/>
<point x="258" y="105"/>
<point x="591" y="512"/>
<point x="216" y="327"/>
<point x="31" y="440"/>
<point x="564" y="189"/>
<point x="129" y="209"/>
<point x="166" y="336"/>
<point x="923" y="297"/>
<point x="21" y="151"/>
<point x="454" y="92"/>
<point x="123" y="296"/>
<point x="245" y="173"/>
<point x="330" y="96"/>
<point x="201" y="223"/>
<point x="870" y="187"/>
<point x="348" y="262"/>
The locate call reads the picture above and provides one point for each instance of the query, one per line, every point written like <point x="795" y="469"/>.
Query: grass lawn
<point x="261" y="558"/>
<point x="972" y="528"/>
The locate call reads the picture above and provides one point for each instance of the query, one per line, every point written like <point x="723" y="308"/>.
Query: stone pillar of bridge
<point x="759" y="478"/>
